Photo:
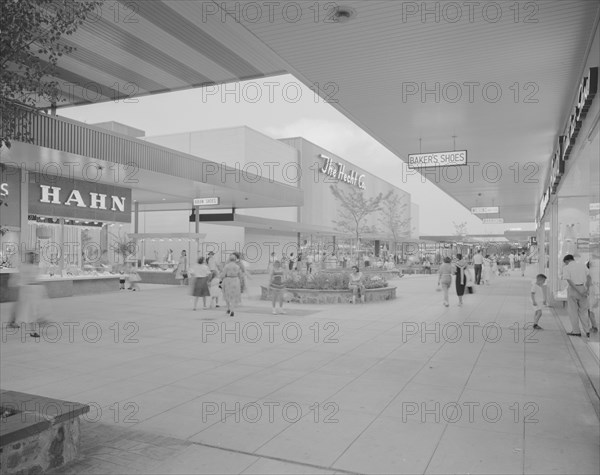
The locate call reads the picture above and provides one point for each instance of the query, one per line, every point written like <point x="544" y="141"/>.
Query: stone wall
<point x="314" y="296"/>
<point x="46" y="450"/>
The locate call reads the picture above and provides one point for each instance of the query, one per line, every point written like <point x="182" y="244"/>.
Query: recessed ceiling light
<point x="342" y="14"/>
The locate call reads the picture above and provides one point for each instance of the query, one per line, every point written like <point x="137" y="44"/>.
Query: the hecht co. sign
<point x="338" y="171"/>
<point x="68" y="198"/>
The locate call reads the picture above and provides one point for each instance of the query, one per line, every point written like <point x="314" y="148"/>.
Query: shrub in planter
<point x="332" y="281"/>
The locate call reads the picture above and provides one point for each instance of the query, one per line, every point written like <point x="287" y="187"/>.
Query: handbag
<point x="470" y="290"/>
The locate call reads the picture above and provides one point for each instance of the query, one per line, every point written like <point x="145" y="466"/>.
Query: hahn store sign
<point x="341" y="173"/>
<point x="75" y="199"/>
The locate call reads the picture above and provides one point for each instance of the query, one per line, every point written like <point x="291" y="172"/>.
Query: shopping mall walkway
<point x="407" y="386"/>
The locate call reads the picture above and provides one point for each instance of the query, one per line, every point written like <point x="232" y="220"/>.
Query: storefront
<point x="311" y="229"/>
<point x="78" y="199"/>
<point x="569" y="209"/>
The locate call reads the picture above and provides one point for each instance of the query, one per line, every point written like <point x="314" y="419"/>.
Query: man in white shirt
<point x="511" y="261"/>
<point x="578" y="278"/>
<point x="478" y="265"/>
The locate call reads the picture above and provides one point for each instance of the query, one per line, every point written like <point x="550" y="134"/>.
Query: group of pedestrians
<point x="209" y="281"/>
<point x="463" y="278"/>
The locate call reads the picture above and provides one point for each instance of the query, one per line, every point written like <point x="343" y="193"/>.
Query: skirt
<point x="200" y="288"/>
<point x="232" y="290"/>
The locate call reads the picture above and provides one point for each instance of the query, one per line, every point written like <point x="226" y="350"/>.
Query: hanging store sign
<point x="206" y="201"/>
<point x="339" y="172"/>
<point x="484" y="210"/>
<point x="585" y="96"/>
<point x="588" y="88"/>
<point x="437" y="159"/>
<point x="62" y="197"/>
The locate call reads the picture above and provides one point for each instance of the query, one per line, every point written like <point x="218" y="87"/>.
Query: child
<point x="276" y="285"/>
<point x="134" y="278"/>
<point x="121" y="280"/>
<point x="538" y="292"/>
<point x="215" y="291"/>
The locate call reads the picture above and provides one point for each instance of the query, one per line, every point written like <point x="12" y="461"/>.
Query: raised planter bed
<point x="332" y="296"/>
<point x="37" y="434"/>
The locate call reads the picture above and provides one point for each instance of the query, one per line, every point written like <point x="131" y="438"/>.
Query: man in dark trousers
<point x="478" y="264"/>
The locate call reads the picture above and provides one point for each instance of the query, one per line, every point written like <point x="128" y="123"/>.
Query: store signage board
<point x="485" y="210"/>
<point x="206" y="201"/>
<point x="10" y="194"/>
<point x="63" y="197"/>
<point x="437" y="159"/>
<point x="588" y="89"/>
<point x="339" y="172"/>
<point x="493" y="221"/>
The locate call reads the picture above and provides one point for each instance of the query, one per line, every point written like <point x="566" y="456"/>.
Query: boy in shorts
<point x="538" y="293"/>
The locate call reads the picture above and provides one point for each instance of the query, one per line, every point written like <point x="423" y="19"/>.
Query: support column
<point x="61" y="254"/>
<point x="136" y="217"/>
<point x="197" y="230"/>
<point x="24" y="212"/>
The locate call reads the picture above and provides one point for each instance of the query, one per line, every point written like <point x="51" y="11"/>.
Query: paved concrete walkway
<point x="407" y="386"/>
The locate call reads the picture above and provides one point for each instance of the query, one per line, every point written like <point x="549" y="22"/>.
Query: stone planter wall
<point x="38" y="434"/>
<point x="332" y="296"/>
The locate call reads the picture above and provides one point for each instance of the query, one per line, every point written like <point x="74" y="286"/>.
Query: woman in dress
<point x="276" y="279"/>
<point x="445" y="278"/>
<point x="201" y="276"/>
<point x="356" y="285"/>
<point x="181" y="272"/>
<point x="461" y="278"/>
<point x="486" y="270"/>
<point x="231" y="276"/>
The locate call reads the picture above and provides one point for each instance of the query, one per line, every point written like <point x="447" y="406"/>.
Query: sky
<point x="282" y="107"/>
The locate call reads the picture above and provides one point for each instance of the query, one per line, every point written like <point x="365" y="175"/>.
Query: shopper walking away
<point x="231" y="277"/>
<point x="27" y="310"/>
<point x="539" y="293"/>
<point x="445" y="278"/>
<point x="511" y="261"/>
<point x="181" y="271"/>
<point x="276" y="280"/>
<point x="578" y="278"/>
<point x="461" y="278"/>
<point x="523" y="263"/>
<point x="478" y="265"/>
<point x="201" y="275"/>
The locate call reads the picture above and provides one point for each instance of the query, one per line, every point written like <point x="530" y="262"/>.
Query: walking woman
<point x="231" y="277"/>
<point x="181" y="272"/>
<point x="461" y="278"/>
<point x="276" y="279"/>
<point x="445" y="278"/>
<point x="201" y="274"/>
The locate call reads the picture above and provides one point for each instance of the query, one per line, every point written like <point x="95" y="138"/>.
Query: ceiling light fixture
<point x="342" y="14"/>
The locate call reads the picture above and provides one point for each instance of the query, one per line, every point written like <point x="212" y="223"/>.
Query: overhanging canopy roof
<point x="400" y="75"/>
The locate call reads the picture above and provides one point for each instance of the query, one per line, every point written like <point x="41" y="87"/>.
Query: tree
<point x="355" y="209"/>
<point x="393" y="217"/>
<point x="30" y="47"/>
<point x="460" y="229"/>
<point x="123" y="246"/>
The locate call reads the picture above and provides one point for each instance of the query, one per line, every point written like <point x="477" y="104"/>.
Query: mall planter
<point x="37" y="434"/>
<point x="332" y="296"/>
